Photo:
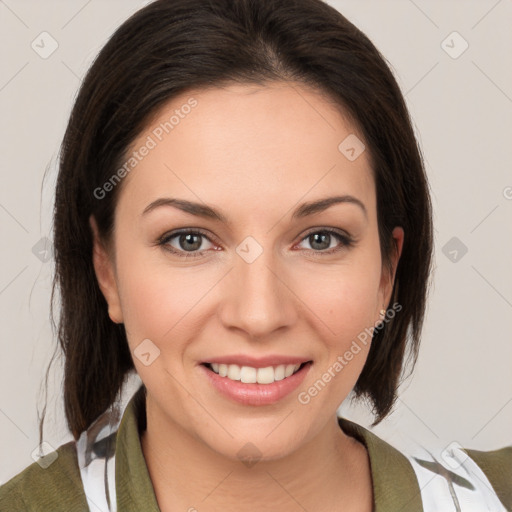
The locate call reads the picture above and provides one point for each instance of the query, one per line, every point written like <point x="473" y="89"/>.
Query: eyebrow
<point x="202" y="210"/>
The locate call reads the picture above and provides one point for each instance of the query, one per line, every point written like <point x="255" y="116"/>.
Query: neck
<point x="187" y="474"/>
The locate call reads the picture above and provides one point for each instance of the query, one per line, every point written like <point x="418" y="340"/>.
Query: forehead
<point x="248" y="145"/>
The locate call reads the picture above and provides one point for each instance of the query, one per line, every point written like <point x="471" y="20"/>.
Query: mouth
<point x="259" y="385"/>
<point x="253" y="375"/>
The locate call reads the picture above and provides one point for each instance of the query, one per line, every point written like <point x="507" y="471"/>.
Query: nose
<point x="258" y="300"/>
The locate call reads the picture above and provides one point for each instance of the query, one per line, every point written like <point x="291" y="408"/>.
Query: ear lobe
<point x="104" y="269"/>
<point x="398" y="236"/>
<point x="388" y="279"/>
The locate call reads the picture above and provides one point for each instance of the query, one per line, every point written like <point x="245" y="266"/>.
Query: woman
<point x="243" y="218"/>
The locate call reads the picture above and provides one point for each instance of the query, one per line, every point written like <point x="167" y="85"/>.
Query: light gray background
<point x="462" y="110"/>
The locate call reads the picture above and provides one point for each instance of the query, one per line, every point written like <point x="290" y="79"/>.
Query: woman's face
<point x="264" y="284"/>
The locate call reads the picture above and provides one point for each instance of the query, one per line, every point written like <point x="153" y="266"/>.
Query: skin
<point x="254" y="153"/>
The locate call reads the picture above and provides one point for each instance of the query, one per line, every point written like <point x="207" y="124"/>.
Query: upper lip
<point x="257" y="362"/>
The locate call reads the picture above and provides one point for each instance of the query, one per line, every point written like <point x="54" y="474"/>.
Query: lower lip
<point x="256" y="394"/>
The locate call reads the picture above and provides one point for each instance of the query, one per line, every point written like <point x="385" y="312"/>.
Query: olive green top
<point x="59" y="486"/>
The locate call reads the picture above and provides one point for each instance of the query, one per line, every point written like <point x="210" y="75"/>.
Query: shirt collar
<point x="395" y="486"/>
<point x="134" y="489"/>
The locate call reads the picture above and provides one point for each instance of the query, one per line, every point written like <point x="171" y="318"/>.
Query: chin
<point x="257" y="445"/>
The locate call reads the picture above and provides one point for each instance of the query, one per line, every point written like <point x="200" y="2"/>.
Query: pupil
<point x="324" y="237"/>
<point x="186" y="239"/>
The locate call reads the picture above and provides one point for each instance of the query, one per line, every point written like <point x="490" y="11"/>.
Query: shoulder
<point x="465" y="477"/>
<point x="395" y="486"/>
<point x="456" y="478"/>
<point x="51" y="483"/>
<point x="497" y="466"/>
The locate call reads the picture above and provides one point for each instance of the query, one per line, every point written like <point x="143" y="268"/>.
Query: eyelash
<point x="346" y="242"/>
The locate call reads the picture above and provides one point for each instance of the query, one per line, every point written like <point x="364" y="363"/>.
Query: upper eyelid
<point x="199" y="231"/>
<point x="165" y="238"/>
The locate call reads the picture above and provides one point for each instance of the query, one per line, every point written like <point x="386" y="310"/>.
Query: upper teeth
<point x="250" y="375"/>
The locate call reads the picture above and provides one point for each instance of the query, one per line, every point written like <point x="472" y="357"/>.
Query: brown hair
<point x="170" y="46"/>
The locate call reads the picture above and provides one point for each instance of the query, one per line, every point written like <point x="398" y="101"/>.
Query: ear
<point x="388" y="278"/>
<point x="105" y="274"/>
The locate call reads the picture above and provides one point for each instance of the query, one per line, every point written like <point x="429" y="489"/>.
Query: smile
<point x="255" y="386"/>
<point x="250" y="375"/>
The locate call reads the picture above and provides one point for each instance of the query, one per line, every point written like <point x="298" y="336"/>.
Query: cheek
<point x="157" y="300"/>
<point x="343" y="299"/>
<point x="341" y="309"/>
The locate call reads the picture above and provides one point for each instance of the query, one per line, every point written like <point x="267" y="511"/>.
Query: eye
<point x="189" y="243"/>
<point x="185" y="243"/>
<point x="321" y="241"/>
